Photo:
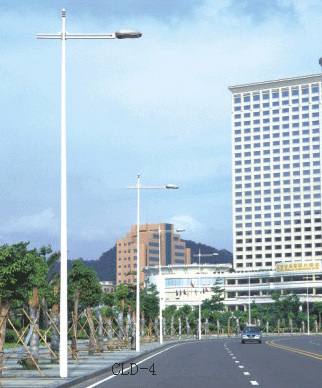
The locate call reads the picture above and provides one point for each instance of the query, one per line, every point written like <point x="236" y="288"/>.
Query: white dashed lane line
<point x="253" y="382"/>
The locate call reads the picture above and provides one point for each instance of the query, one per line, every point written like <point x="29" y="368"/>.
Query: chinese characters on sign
<point x="298" y="266"/>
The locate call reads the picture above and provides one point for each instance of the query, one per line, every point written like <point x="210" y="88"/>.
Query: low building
<point x="185" y="284"/>
<point x="172" y="251"/>
<point x="107" y="285"/>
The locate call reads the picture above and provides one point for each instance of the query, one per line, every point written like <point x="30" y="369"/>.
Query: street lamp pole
<point x="160" y="285"/>
<point x="137" y="327"/>
<point x="138" y="187"/>
<point x="249" y="310"/>
<point x="199" y="322"/>
<point x="307" y="305"/>
<point x="63" y="36"/>
<point x="203" y="255"/>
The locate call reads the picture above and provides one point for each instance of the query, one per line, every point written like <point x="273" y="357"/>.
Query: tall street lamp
<point x="138" y="187"/>
<point x="201" y="255"/>
<point x="63" y="36"/>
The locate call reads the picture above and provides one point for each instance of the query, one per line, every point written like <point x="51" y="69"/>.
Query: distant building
<point x="180" y="283"/>
<point x="276" y="172"/>
<point x="107" y="285"/>
<point x="173" y="251"/>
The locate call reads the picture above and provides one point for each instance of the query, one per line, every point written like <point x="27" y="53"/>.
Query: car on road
<point x="251" y="333"/>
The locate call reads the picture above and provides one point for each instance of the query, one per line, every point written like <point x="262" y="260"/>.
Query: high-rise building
<point x="173" y="251"/>
<point x="276" y="172"/>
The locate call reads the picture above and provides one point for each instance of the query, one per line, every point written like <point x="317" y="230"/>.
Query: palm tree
<point x="318" y="309"/>
<point x="40" y="287"/>
<point x="52" y="296"/>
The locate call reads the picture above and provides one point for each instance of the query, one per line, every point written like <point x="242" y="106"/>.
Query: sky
<point x="158" y="106"/>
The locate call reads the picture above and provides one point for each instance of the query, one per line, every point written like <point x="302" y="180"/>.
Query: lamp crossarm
<point x="69" y="35"/>
<point x="205" y="254"/>
<point x="146" y="187"/>
<point x="162" y="230"/>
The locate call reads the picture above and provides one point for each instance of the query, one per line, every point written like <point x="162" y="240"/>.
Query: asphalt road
<point x="283" y="362"/>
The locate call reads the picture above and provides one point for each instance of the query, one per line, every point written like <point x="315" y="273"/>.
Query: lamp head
<point x="170" y="186"/>
<point x="123" y="34"/>
<point x="320" y="61"/>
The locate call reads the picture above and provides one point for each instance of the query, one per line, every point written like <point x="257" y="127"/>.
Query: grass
<point x="10" y="345"/>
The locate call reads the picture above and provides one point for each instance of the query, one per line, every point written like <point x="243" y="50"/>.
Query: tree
<point x="149" y="302"/>
<point x="52" y="280"/>
<point x="215" y="303"/>
<point x="317" y="307"/>
<point x="122" y="297"/>
<point x="85" y="289"/>
<point x="169" y="311"/>
<point x="20" y="270"/>
<point x="41" y="292"/>
<point x="276" y="308"/>
<point x="290" y="304"/>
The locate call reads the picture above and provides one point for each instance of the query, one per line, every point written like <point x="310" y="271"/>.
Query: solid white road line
<point x="138" y="363"/>
<point x="254" y="383"/>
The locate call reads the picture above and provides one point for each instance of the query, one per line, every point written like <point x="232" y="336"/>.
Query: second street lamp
<point x="138" y="187"/>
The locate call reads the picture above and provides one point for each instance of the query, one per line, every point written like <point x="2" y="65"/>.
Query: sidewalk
<point x="86" y="368"/>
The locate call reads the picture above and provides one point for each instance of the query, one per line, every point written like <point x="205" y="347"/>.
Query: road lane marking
<point x="254" y="382"/>
<point x="240" y="366"/>
<point x="246" y="373"/>
<point x="295" y="350"/>
<point x="126" y="369"/>
<point x="237" y="362"/>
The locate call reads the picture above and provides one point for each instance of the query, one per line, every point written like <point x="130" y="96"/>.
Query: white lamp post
<point x="249" y="310"/>
<point x="63" y="36"/>
<point x="307" y="305"/>
<point x="201" y="255"/>
<point x="138" y="187"/>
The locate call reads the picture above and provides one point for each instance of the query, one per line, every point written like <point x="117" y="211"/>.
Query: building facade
<point x="276" y="172"/>
<point x="107" y="285"/>
<point x="172" y="251"/>
<point x="185" y="284"/>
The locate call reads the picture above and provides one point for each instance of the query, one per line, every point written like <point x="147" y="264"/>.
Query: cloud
<point x="261" y="10"/>
<point x="166" y="10"/>
<point x="91" y="234"/>
<point x="45" y="221"/>
<point x="186" y="222"/>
